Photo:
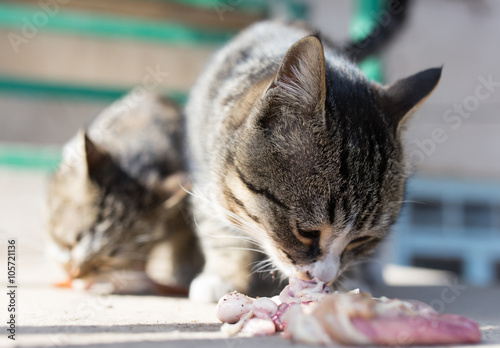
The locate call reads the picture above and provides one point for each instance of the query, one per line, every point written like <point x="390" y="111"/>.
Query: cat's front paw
<point x="209" y="287"/>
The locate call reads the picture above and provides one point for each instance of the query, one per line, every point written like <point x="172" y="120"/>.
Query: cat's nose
<point x="326" y="270"/>
<point x="75" y="271"/>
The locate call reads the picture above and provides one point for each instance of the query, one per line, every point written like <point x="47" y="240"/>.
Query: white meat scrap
<point x="265" y="316"/>
<point x="308" y="312"/>
<point x="254" y="317"/>
<point x="233" y="306"/>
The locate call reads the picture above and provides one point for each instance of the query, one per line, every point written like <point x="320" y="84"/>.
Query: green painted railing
<point x="47" y="89"/>
<point x="43" y="157"/>
<point x="29" y="157"/>
<point x="296" y="9"/>
<point x="18" y="17"/>
<point x="34" y="18"/>
<point x="259" y="6"/>
<point x="361" y="26"/>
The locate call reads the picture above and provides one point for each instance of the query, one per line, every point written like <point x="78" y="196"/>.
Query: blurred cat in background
<point x="119" y="192"/>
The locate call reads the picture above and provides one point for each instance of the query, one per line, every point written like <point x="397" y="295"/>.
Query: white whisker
<point x="263" y="266"/>
<point x="249" y="249"/>
<point x="237" y="222"/>
<point x="243" y="230"/>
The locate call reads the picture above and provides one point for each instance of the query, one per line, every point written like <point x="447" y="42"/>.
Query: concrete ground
<point x="49" y="317"/>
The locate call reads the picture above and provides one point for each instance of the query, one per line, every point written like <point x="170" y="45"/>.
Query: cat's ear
<point x="95" y="156"/>
<point x="401" y="98"/>
<point x="174" y="189"/>
<point x="300" y="79"/>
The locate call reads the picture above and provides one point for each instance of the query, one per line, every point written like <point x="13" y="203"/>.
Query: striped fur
<point x="116" y="193"/>
<point x="294" y="153"/>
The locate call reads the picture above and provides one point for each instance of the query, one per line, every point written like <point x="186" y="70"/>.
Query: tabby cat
<point x="118" y="192"/>
<point x="294" y="154"/>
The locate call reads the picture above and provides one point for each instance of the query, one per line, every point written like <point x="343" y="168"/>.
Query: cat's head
<point x="100" y="219"/>
<point x="317" y="166"/>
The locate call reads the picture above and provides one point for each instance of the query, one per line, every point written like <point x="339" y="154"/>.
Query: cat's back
<point x="143" y="135"/>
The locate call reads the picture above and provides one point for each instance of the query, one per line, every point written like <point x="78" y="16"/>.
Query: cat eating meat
<point x="295" y="154"/>
<point x="116" y="194"/>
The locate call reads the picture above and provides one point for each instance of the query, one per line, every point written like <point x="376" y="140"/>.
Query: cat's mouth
<point x="303" y="275"/>
<point x="327" y="270"/>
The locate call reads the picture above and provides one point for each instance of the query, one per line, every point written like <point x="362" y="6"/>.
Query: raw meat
<point x="309" y="312"/>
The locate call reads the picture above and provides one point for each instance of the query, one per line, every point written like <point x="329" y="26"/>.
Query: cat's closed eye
<point x="358" y="242"/>
<point x="311" y="239"/>
<point x="79" y="236"/>
<point x="315" y="234"/>
<point x="115" y="251"/>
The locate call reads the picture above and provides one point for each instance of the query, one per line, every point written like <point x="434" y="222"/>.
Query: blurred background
<point x="62" y="62"/>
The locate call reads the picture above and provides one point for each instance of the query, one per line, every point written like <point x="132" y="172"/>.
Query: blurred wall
<point x="63" y="62"/>
<point x="456" y="133"/>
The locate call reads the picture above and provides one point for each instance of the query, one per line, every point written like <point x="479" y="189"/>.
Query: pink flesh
<point x="259" y="327"/>
<point x="418" y="330"/>
<point x="385" y="322"/>
<point x="278" y="317"/>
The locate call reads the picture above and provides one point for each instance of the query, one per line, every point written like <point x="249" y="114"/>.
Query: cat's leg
<point x="186" y="254"/>
<point x="227" y="263"/>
